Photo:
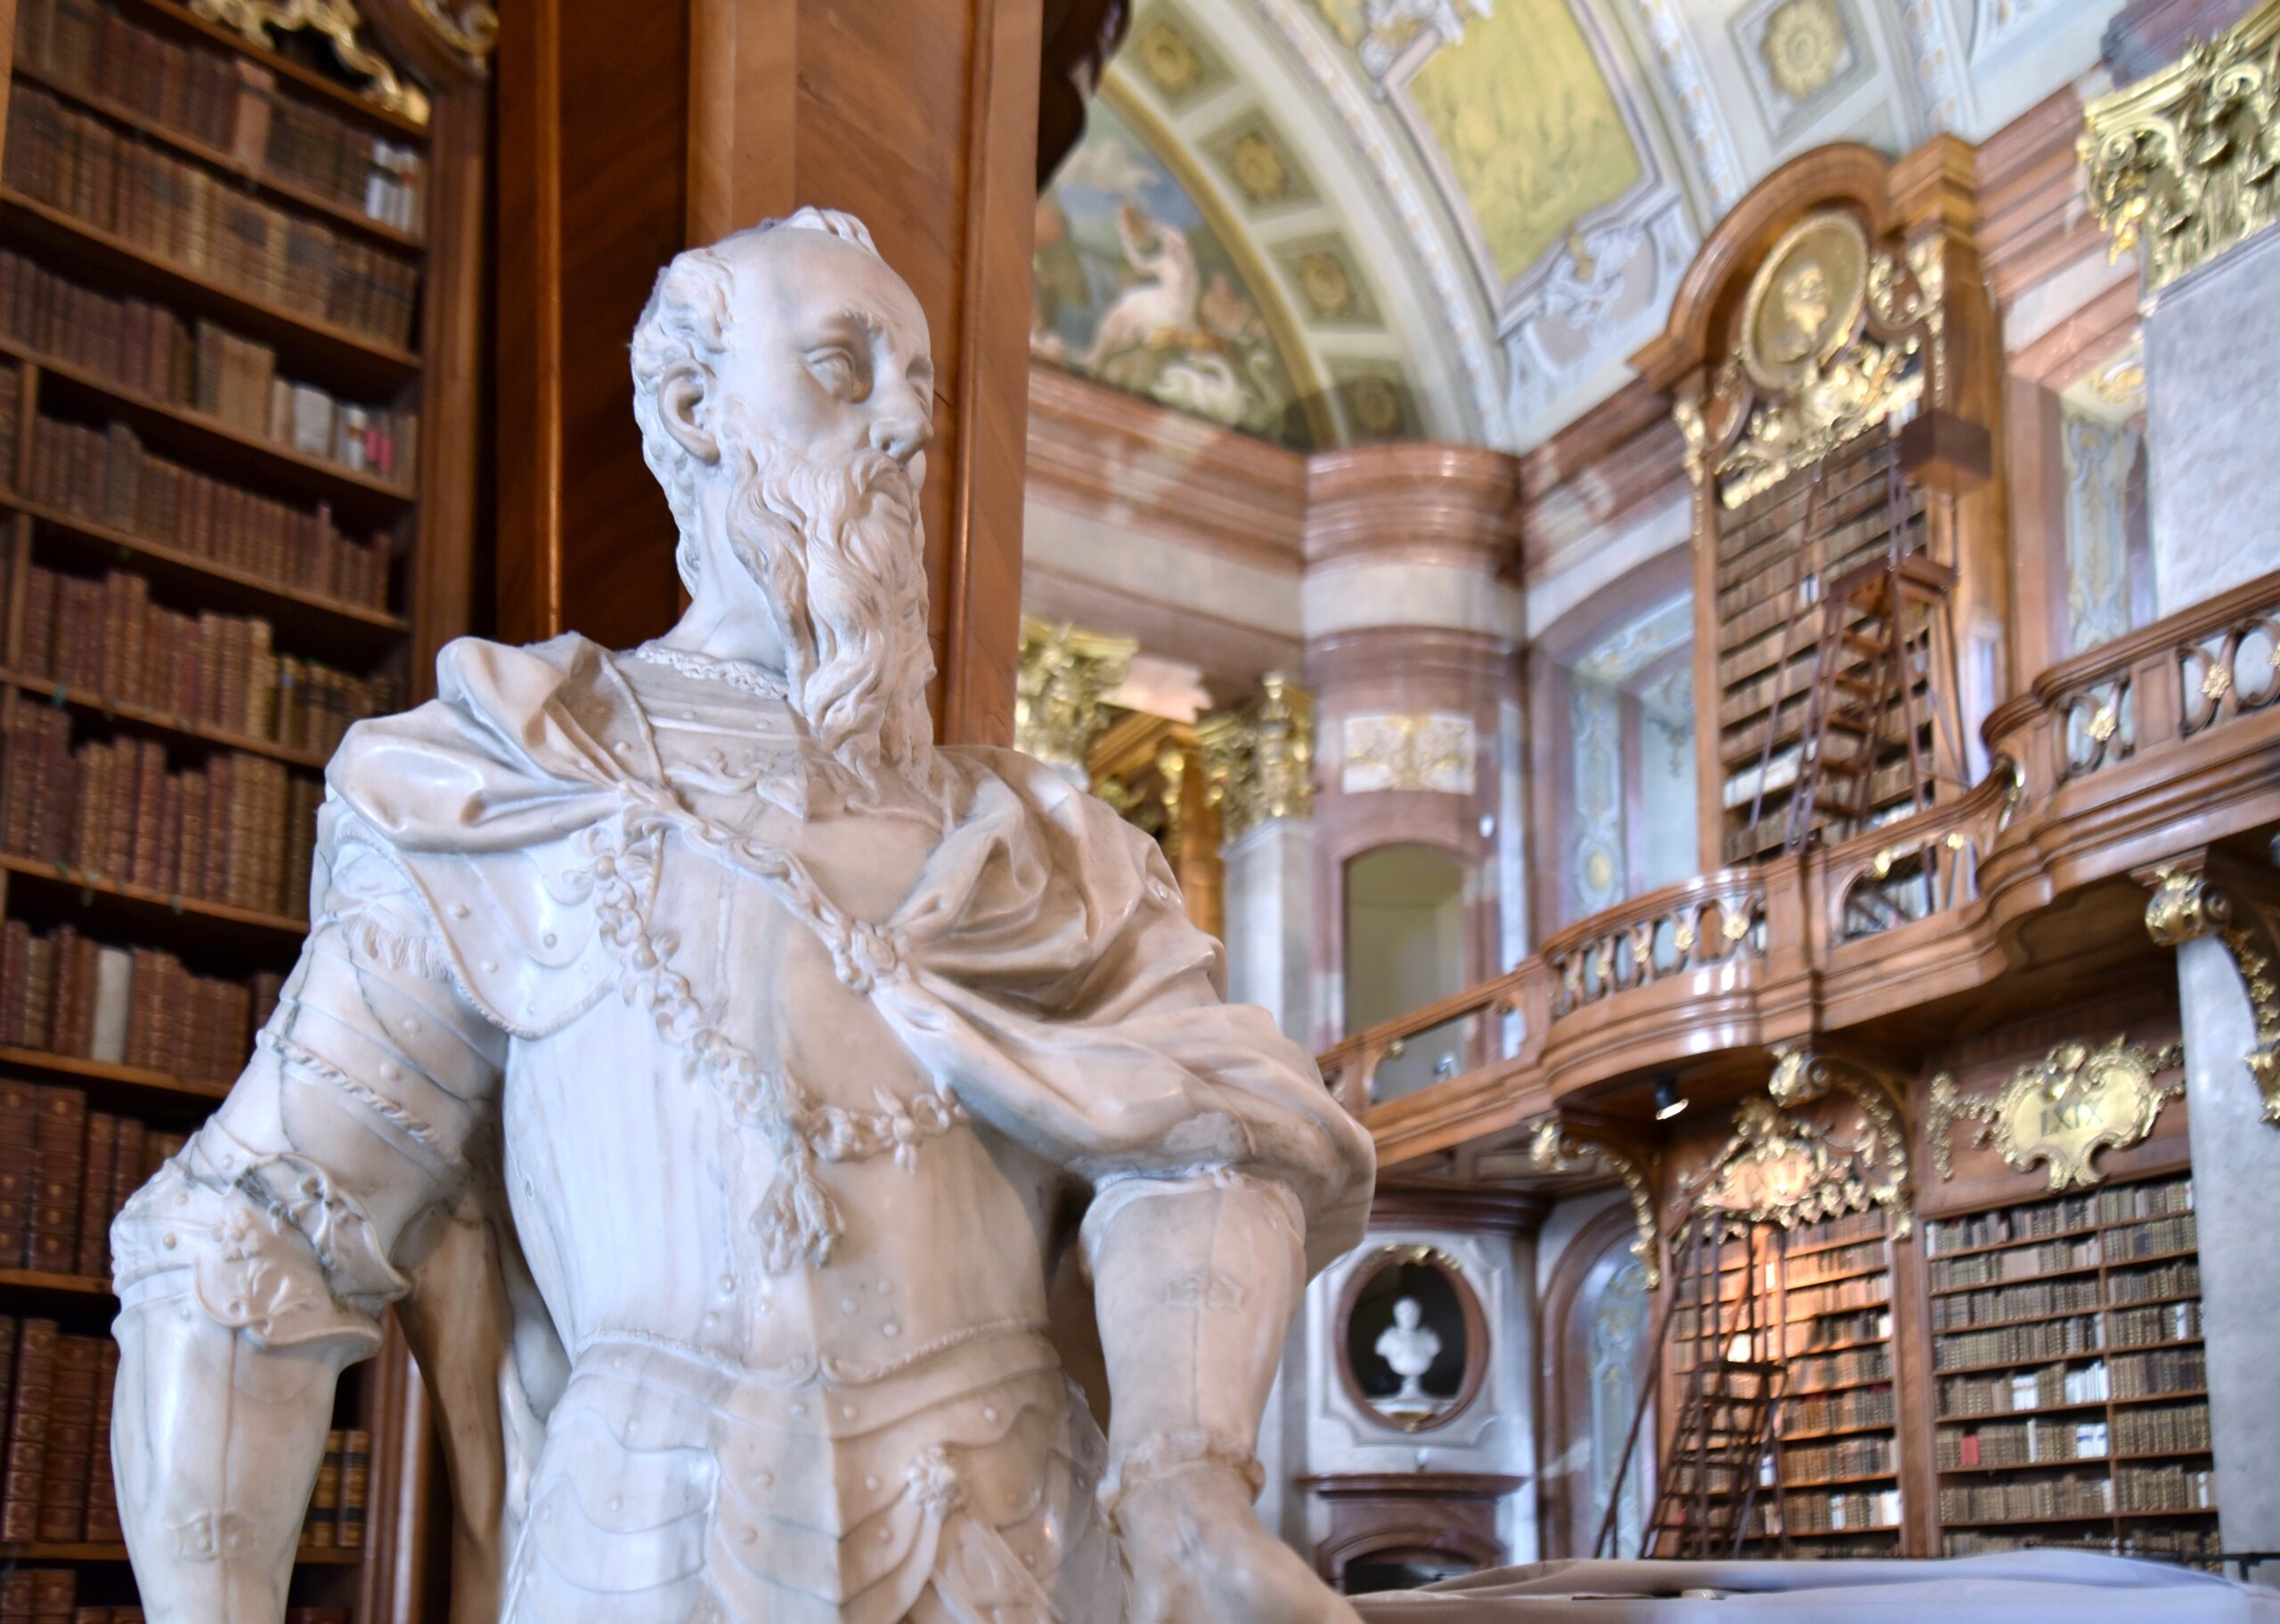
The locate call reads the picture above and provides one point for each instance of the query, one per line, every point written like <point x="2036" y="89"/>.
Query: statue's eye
<point x="837" y="369"/>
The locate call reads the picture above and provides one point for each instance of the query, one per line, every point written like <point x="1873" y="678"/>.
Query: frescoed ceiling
<point x="1456" y="218"/>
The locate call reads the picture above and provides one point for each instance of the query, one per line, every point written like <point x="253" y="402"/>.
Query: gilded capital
<point x="2188" y="906"/>
<point x="1065" y="675"/>
<point x="2185" y="163"/>
<point x="1261" y="757"/>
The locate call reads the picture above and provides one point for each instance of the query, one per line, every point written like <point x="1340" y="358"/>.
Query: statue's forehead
<point x="807" y="276"/>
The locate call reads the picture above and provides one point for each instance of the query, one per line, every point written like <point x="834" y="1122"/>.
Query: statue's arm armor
<point x="1195" y="1282"/>
<point x="253" y="1267"/>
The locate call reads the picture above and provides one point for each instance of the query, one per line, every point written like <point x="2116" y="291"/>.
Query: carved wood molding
<point x="1573" y="1143"/>
<point x="2062" y="1110"/>
<point x="2212" y="895"/>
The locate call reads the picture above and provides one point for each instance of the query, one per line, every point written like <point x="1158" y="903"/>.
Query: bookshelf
<point x="1825" y="1290"/>
<point x="239" y="363"/>
<point x="2069" y="1392"/>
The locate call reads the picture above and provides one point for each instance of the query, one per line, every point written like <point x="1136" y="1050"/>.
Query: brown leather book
<point x="27" y="1428"/>
<point x="101" y="1164"/>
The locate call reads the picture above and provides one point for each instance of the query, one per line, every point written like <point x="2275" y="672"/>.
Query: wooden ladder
<point x="1726" y="1431"/>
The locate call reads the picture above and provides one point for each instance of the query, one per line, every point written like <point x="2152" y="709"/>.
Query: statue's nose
<point x="901" y="435"/>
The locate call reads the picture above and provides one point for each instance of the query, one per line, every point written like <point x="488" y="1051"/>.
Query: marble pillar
<point x="1413" y="622"/>
<point x="2217" y="913"/>
<point x="2212" y="343"/>
<point x="1270" y="922"/>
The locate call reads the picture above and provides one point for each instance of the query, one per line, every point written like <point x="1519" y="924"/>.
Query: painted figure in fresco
<point x="753" y="1110"/>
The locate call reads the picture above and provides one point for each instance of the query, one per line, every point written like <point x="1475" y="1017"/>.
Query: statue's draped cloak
<point x="1041" y="967"/>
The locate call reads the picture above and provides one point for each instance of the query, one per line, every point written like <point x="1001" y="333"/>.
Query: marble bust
<point x="1409" y="1347"/>
<point x="756" y="1113"/>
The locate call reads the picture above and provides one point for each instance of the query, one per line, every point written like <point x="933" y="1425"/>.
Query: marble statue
<point x="756" y="1113"/>
<point x="1409" y="1347"/>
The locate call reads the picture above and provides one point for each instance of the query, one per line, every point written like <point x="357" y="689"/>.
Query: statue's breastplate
<point x="662" y="1148"/>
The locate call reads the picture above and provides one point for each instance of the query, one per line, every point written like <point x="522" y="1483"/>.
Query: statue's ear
<point x="680" y="402"/>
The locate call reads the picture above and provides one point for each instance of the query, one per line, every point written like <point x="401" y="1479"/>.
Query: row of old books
<point x="1822" y="1372"/>
<point x="105" y="476"/>
<point x="1861" y="1291"/>
<point x="2170" y="1487"/>
<point x="2033" y="1221"/>
<point x="2071" y="1294"/>
<point x="2155" y="1237"/>
<point x="65" y="1172"/>
<point x="2195" y="1547"/>
<point x="2125" y="1202"/>
<point x="106" y="638"/>
<point x="185" y="215"/>
<point x="2181" y="1278"/>
<point x="1870" y="1456"/>
<point x="341" y="1501"/>
<point x="238" y="830"/>
<point x="2180" y="1429"/>
<point x="2151" y="1376"/>
<point x="219" y="99"/>
<point x="144" y="349"/>
<point x="2137" y="1328"/>
<point x="51" y="1595"/>
<point x="2030" y="1501"/>
<point x="2014" y="1264"/>
<point x="2017" y="1391"/>
<point x="1841" y="1513"/>
<point x="1837" y="1330"/>
<point x="63" y="992"/>
<point x="9" y="422"/>
<point x="1815" y="1267"/>
<point x="2032" y="1443"/>
<point x="1833" y="1412"/>
<point x="2014" y="1343"/>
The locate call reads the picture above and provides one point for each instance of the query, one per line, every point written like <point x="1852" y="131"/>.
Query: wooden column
<point x="621" y="144"/>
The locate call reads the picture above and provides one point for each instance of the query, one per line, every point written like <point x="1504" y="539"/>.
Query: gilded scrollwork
<point x="1064" y="677"/>
<point x="2060" y="1111"/>
<point x="2187" y="906"/>
<point x="2185" y="163"/>
<point x="1261" y="757"/>
<point x="1565" y="1147"/>
<point x="1802" y="1076"/>
<point x="339" y="22"/>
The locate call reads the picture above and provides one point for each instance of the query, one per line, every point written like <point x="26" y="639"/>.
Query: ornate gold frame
<point x="1566" y="1146"/>
<point x="2060" y="1111"/>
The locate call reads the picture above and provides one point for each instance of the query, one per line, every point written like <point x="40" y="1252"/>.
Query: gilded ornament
<point x="1261" y="758"/>
<point x="1375" y="404"/>
<point x="1168" y="57"/>
<point x="2217" y="682"/>
<point x="2104" y="722"/>
<point x="1737" y="926"/>
<point x="1782" y="1166"/>
<point x="2185" y="163"/>
<point x="2186" y="906"/>
<point x="470" y="29"/>
<point x="1258" y="167"/>
<point x="1567" y="1146"/>
<point x="2062" y="1110"/>
<point x="1064" y="677"/>
<point x="1329" y="289"/>
<point x="339" y="21"/>
<point x="1432" y="751"/>
<point x="1802" y="1076"/>
<point x="1804" y="46"/>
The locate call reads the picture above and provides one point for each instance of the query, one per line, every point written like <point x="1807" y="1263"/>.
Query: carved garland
<point x="1782" y="1167"/>
<point x="2185" y="163"/>
<point x="2187" y="906"/>
<point x="471" y="30"/>
<point x="1568" y="1146"/>
<point x="2060" y="1111"/>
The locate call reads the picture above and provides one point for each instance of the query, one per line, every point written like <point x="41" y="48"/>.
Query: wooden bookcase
<point x="1825" y="1290"/>
<point x="2070" y="1406"/>
<point x="238" y="367"/>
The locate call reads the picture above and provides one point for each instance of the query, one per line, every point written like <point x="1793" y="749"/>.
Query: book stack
<point x="2043" y="1339"/>
<point x="2062" y="1297"/>
<point x="2138" y="1327"/>
<point x="108" y="639"/>
<point x="186" y="215"/>
<point x="1866" y="1407"/>
<point x="239" y="830"/>
<point x="2016" y="1263"/>
<point x="79" y="1167"/>
<point x="220" y="101"/>
<point x="2152" y="1376"/>
<point x="65" y="994"/>
<point x="2178" y="1279"/>
<point x="8" y="396"/>
<point x="2034" y="1500"/>
<point x="50" y="1595"/>
<point x="145" y="350"/>
<point x="342" y="1501"/>
<point x="2019" y="1443"/>
<point x="106" y="477"/>
<point x="1853" y="1369"/>
<point x="2157" y="1238"/>
<point x="2181" y="1429"/>
<point x="1854" y="1457"/>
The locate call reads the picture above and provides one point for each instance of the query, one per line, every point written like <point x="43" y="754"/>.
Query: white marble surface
<point x="2212" y="369"/>
<point x="1270" y="922"/>
<point x="712" y="1070"/>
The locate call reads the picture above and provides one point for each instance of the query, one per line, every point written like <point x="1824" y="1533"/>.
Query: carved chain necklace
<point x="739" y="674"/>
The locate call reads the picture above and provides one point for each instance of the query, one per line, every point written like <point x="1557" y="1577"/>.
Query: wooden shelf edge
<point x="315" y="1556"/>
<point x="180" y="727"/>
<point x="50" y="1064"/>
<point x="223" y="913"/>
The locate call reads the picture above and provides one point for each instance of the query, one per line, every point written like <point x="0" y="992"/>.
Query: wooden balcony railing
<point x="2160" y="741"/>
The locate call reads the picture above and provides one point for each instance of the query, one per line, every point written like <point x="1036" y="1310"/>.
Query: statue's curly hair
<point x="687" y="320"/>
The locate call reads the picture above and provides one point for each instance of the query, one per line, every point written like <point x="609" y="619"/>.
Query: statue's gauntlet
<point x="1195" y="1281"/>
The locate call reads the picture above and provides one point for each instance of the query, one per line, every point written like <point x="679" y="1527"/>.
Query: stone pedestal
<point x="2213" y="354"/>
<point x="2236" y="1197"/>
<point x="1270" y="922"/>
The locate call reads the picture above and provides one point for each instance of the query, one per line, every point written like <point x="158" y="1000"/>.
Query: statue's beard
<point x="838" y="553"/>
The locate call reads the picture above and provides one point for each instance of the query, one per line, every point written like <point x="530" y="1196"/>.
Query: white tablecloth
<point x="2019" y="1587"/>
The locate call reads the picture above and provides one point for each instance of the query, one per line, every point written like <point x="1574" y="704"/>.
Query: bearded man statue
<point x="753" y="1111"/>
